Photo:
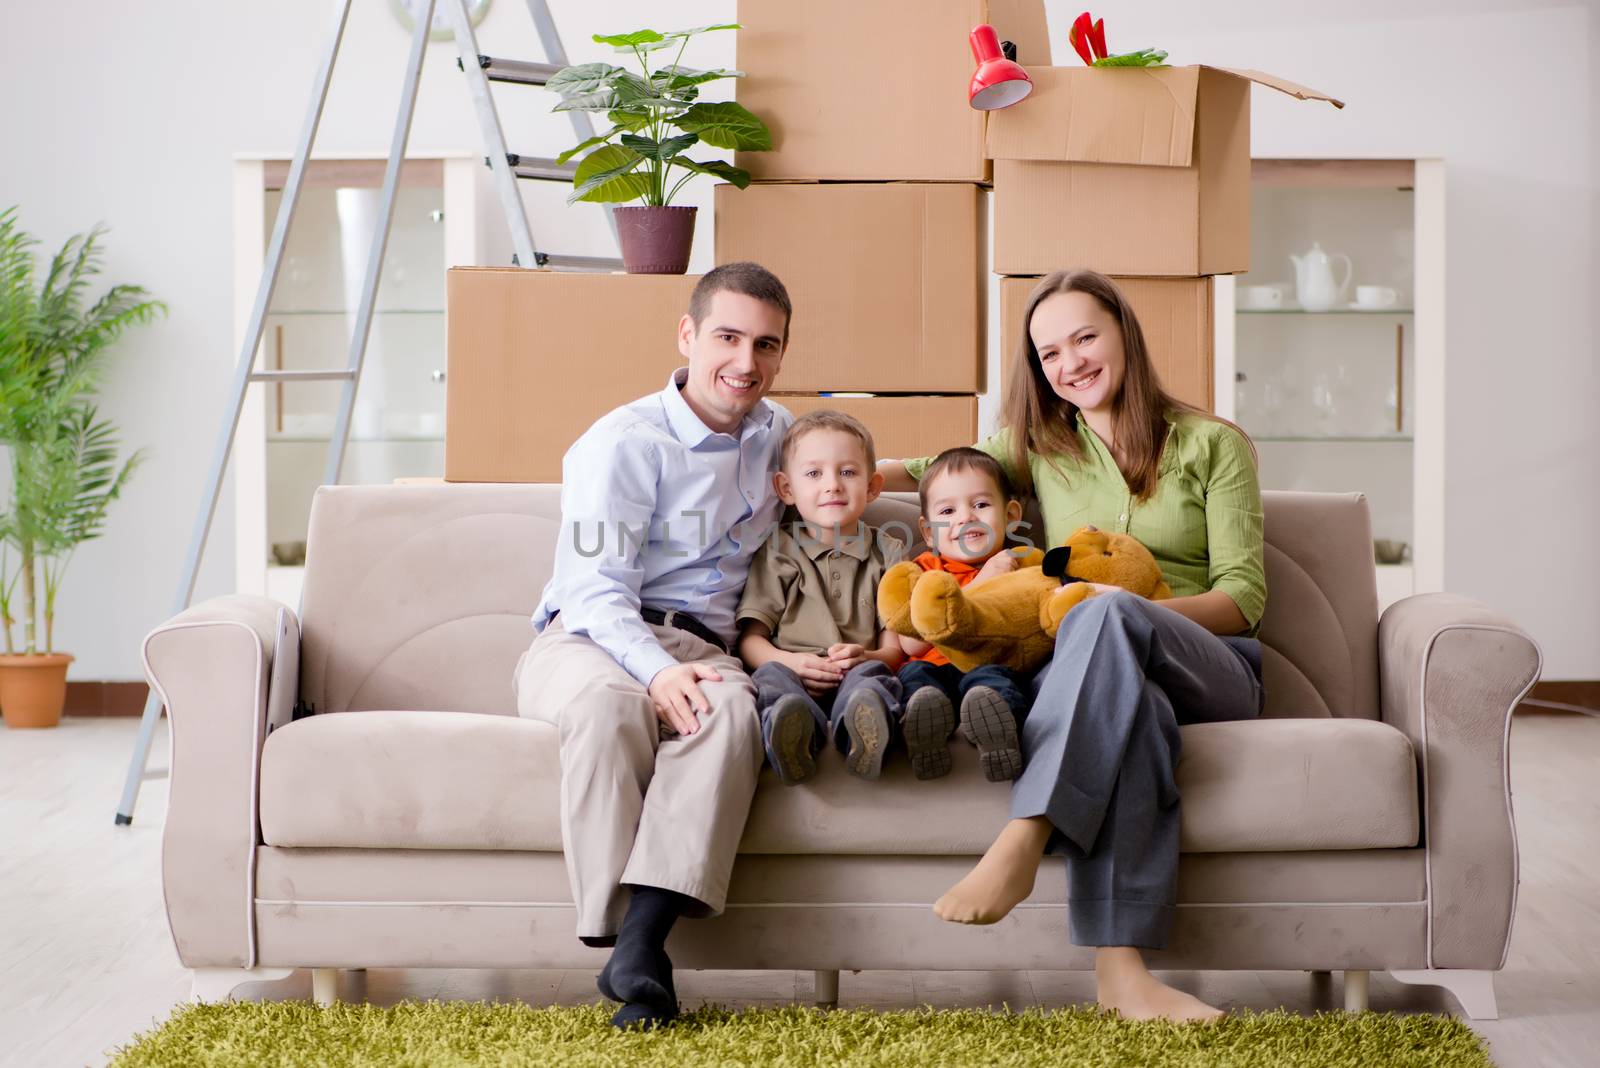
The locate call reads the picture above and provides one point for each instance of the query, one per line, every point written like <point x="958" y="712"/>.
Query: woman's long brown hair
<point x="1045" y="424"/>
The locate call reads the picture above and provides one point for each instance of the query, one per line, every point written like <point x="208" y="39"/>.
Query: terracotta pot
<point x="655" y="240"/>
<point x="33" y="689"/>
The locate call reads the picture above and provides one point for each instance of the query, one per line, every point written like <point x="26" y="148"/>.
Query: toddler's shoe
<point x="789" y="740"/>
<point x="988" y="723"/>
<point x="866" y="724"/>
<point x="929" y="721"/>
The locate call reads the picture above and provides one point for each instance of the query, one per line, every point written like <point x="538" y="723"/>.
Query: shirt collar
<point x="688" y="428"/>
<point x="857" y="545"/>
<point x="931" y="560"/>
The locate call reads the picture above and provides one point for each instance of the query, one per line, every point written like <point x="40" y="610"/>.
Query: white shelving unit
<point x="397" y="428"/>
<point x="1348" y="399"/>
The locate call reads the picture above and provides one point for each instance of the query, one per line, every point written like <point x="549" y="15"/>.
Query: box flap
<point x="1101" y="115"/>
<point x="1282" y="85"/>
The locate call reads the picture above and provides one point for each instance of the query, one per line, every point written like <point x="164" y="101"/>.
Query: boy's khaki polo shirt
<point x="811" y="595"/>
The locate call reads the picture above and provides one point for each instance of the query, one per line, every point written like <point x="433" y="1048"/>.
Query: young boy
<point x="967" y="506"/>
<point x="823" y="667"/>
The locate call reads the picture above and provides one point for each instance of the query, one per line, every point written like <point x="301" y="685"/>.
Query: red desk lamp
<point x="998" y="82"/>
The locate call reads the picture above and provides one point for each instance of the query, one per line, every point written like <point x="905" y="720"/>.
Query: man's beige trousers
<point x="637" y="807"/>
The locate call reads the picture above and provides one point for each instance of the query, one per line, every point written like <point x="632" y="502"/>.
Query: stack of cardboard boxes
<point x="1141" y="174"/>
<point x="872" y="209"/>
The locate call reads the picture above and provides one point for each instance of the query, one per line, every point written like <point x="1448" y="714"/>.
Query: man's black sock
<point x="598" y="941"/>
<point x="639" y="971"/>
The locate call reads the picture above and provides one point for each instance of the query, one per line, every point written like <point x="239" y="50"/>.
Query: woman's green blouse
<point x="1202" y="523"/>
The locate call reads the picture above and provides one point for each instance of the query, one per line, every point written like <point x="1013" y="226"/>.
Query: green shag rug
<point x="457" y="1034"/>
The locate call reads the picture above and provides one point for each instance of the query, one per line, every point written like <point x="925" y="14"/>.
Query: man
<point x="663" y="503"/>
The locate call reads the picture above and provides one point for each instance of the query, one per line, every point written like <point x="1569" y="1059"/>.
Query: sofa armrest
<point x="213" y="666"/>
<point x="1451" y="672"/>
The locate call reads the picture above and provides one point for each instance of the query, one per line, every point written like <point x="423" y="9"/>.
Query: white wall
<point x="131" y="114"/>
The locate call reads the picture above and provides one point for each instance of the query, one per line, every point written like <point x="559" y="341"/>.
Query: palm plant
<point x="64" y="464"/>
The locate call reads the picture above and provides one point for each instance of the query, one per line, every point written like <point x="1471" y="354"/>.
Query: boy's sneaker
<point x="789" y="740"/>
<point x="988" y="723"/>
<point x="866" y="723"/>
<point x="929" y="721"/>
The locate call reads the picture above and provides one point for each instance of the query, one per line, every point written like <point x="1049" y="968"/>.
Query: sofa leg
<point x="1355" y="990"/>
<point x="827" y="987"/>
<point x="218" y="984"/>
<point x="1473" y="989"/>
<point x="324" y="985"/>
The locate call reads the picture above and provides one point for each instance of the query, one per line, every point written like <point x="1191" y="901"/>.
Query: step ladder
<point x="507" y="168"/>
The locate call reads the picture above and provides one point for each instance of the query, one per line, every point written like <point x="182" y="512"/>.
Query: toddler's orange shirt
<point x="964" y="574"/>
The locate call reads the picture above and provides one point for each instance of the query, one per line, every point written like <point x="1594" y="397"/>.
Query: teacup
<point x="1376" y="296"/>
<point x="1260" y="297"/>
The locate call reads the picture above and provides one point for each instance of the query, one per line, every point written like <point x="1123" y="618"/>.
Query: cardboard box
<point x="887" y="280"/>
<point x="872" y="91"/>
<point x="1131" y="171"/>
<point x="1174" y="313"/>
<point x="902" y="427"/>
<point x="537" y="356"/>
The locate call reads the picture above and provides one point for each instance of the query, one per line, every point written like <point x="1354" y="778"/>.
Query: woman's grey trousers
<point x="1101" y="748"/>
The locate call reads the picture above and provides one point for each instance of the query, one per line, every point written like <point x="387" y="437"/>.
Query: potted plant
<point x="62" y="457"/>
<point x="656" y="118"/>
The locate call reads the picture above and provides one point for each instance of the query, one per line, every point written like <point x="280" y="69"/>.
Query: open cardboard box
<point x="1175" y="315"/>
<point x="1129" y="170"/>
<point x="873" y="91"/>
<point x="887" y="280"/>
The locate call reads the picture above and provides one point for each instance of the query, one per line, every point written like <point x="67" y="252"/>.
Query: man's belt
<point x="685" y="622"/>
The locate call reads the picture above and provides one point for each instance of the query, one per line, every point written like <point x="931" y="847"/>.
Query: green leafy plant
<point x="656" y="117"/>
<point x="63" y="457"/>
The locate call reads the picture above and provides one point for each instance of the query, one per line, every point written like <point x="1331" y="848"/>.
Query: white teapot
<point x="1314" y="284"/>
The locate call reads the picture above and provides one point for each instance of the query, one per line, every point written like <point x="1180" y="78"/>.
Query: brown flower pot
<point x="655" y="240"/>
<point x="33" y="689"/>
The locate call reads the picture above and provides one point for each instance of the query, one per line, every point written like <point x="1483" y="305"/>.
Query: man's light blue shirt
<point x="658" y="510"/>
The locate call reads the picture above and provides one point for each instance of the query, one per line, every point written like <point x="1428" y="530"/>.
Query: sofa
<point x="351" y="786"/>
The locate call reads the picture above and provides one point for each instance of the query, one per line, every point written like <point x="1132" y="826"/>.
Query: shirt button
<point x="836" y="576"/>
<point x="1123" y="518"/>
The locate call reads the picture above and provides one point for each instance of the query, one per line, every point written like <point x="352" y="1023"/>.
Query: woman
<point x="1087" y="427"/>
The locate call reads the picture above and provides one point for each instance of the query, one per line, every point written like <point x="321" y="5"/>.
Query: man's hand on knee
<point x="677" y="695"/>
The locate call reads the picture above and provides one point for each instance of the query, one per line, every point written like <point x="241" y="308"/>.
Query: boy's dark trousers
<point x="1014" y="687"/>
<point x="774" y="680"/>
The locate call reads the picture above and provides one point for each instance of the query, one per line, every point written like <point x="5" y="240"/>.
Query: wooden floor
<point x="86" y="961"/>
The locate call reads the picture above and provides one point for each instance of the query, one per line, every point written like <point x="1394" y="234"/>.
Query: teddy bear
<point x="1011" y="620"/>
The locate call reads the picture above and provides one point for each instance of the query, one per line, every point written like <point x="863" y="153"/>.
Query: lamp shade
<point x="998" y="82"/>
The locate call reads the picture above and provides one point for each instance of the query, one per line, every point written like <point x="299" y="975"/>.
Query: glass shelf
<point x="1331" y="437"/>
<point x="1330" y="311"/>
<point x="323" y="438"/>
<point x="351" y="311"/>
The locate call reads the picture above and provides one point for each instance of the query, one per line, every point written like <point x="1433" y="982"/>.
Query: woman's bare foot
<point x="1124" y="984"/>
<point x="1002" y="878"/>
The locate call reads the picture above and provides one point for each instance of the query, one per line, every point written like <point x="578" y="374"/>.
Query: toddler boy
<point x="967" y="506"/>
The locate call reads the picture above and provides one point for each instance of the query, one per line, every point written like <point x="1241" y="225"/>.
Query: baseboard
<point x="1579" y="695"/>
<point x="105" y="698"/>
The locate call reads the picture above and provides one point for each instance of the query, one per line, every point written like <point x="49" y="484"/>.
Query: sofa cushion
<point x="449" y="780"/>
<point x="412" y="780"/>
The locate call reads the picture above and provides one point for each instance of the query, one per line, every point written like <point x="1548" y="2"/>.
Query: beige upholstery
<point x="441" y="780"/>
<point x="1365" y="823"/>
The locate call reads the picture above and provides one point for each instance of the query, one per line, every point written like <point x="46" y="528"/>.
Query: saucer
<point x="1354" y="306"/>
